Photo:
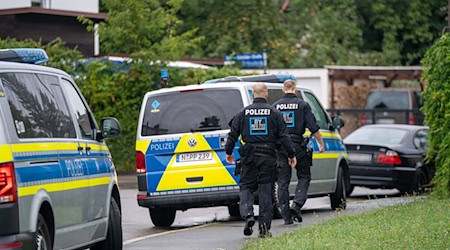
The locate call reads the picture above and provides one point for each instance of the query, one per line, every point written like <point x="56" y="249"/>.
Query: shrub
<point x="437" y="111"/>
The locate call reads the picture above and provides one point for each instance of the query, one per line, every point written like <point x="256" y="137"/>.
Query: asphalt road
<point x="212" y="228"/>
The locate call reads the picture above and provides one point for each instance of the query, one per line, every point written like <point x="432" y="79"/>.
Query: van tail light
<point x="390" y="157"/>
<point x="411" y="120"/>
<point x="8" y="188"/>
<point x="363" y="119"/>
<point x="140" y="162"/>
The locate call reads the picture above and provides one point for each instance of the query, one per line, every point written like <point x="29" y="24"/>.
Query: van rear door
<point x="183" y="134"/>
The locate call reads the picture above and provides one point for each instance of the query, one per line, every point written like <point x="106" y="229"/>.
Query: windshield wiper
<point x="205" y="129"/>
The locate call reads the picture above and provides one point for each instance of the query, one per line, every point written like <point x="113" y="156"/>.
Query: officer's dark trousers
<point x="259" y="175"/>
<point x="284" y="177"/>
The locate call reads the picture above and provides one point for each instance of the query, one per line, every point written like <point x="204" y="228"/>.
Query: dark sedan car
<point x="389" y="156"/>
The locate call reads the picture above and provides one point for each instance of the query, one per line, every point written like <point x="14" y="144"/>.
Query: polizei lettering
<point x="287" y="106"/>
<point x="257" y="112"/>
<point x="162" y="146"/>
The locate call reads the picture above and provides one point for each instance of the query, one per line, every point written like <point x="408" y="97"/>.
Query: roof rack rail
<point x="33" y="56"/>
<point x="269" y="78"/>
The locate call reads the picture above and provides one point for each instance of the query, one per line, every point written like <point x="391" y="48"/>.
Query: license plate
<point x="195" y="156"/>
<point x="386" y="121"/>
<point x="359" y="157"/>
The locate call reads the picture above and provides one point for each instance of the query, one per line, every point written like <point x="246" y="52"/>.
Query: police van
<point x="58" y="184"/>
<point x="181" y="135"/>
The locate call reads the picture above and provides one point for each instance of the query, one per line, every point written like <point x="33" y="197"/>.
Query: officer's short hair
<point x="289" y="85"/>
<point x="259" y="89"/>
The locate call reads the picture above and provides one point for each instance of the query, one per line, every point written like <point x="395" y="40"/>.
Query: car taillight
<point x="363" y="119"/>
<point x="140" y="162"/>
<point x="411" y="120"/>
<point x="8" y="192"/>
<point x="390" y="157"/>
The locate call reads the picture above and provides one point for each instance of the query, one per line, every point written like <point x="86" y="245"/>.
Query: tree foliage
<point x="437" y="111"/>
<point x="146" y="29"/>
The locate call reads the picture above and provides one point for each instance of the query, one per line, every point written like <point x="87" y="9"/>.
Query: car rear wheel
<point x="162" y="217"/>
<point x="42" y="241"/>
<point x="418" y="184"/>
<point x="338" y="198"/>
<point x="114" y="235"/>
<point x="233" y="210"/>
<point x="350" y="190"/>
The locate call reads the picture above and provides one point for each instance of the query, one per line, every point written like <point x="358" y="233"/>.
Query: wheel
<point x="233" y="210"/>
<point x="338" y="198"/>
<point x="418" y="184"/>
<point x="276" y="206"/>
<point x="350" y="189"/>
<point x="162" y="217"/>
<point x="114" y="235"/>
<point x="42" y="240"/>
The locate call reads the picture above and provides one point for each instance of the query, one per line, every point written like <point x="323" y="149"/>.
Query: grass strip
<point x="422" y="224"/>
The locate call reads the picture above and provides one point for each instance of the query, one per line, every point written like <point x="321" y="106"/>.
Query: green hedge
<point x="437" y="111"/>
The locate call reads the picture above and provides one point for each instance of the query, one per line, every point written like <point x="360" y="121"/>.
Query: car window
<point x="277" y="94"/>
<point x="420" y="139"/>
<point x="84" y="119"/>
<point x="373" y="135"/>
<point x="387" y="100"/>
<point x="317" y="110"/>
<point x="190" y="111"/>
<point x="37" y="106"/>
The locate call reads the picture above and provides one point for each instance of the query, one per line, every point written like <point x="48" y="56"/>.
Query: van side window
<point x="317" y="110"/>
<point x="37" y="106"/>
<point x="277" y="94"/>
<point x="84" y="119"/>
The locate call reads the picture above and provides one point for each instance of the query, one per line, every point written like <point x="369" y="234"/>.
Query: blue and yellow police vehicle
<point x="58" y="184"/>
<point x="180" y="157"/>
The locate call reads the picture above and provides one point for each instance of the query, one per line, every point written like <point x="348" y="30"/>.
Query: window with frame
<point x="317" y="110"/>
<point x="85" y="121"/>
<point x="37" y="105"/>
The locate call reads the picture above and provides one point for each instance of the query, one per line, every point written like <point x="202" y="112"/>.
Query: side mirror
<point x="338" y="122"/>
<point x="110" y="127"/>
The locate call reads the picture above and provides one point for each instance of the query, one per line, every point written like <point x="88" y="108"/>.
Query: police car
<point x="58" y="184"/>
<point x="180" y="156"/>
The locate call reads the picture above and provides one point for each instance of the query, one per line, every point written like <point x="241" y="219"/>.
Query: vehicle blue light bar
<point x="33" y="56"/>
<point x="271" y="78"/>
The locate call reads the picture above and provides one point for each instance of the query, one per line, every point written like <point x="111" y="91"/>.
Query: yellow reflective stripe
<point x="325" y="134"/>
<point x="142" y="145"/>
<point x="64" y="186"/>
<point x="5" y="153"/>
<point x="33" y="147"/>
<point x="68" y="146"/>
<point x="98" y="147"/>
<point x="326" y="155"/>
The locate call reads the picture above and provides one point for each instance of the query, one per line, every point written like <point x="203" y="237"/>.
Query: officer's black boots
<point x="288" y="220"/>
<point x="249" y="222"/>
<point x="264" y="231"/>
<point x="296" y="212"/>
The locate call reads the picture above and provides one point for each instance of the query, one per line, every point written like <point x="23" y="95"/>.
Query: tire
<point x="339" y="197"/>
<point x="42" y="239"/>
<point x="418" y="183"/>
<point x="233" y="210"/>
<point x="275" y="205"/>
<point x="349" y="190"/>
<point x="114" y="235"/>
<point x="162" y="217"/>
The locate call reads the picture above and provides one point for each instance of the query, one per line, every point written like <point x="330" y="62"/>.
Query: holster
<point x="303" y="153"/>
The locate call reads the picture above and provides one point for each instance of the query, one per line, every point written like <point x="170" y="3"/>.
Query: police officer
<point x="298" y="116"/>
<point x="260" y="126"/>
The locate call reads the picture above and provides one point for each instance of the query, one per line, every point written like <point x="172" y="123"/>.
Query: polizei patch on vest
<point x="257" y="112"/>
<point x="258" y="126"/>
<point x="287" y="106"/>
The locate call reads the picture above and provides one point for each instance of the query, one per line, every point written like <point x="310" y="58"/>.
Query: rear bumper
<point x="381" y="176"/>
<point x="188" y="200"/>
<point x="17" y="241"/>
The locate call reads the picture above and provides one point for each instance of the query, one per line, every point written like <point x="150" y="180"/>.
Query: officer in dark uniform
<point x="298" y="116"/>
<point x="261" y="126"/>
